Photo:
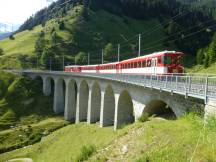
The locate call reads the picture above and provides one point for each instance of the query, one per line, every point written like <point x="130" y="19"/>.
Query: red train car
<point x="157" y="63"/>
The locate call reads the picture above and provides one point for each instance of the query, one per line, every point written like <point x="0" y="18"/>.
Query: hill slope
<point x="79" y="35"/>
<point x="156" y="140"/>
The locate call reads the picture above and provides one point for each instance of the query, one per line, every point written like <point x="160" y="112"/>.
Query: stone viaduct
<point x="109" y="102"/>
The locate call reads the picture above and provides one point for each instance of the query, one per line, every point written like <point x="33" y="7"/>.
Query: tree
<point x="212" y="51"/>
<point x="206" y="60"/>
<point x="81" y="58"/>
<point x="200" y="57"/>
<point x="61" y="25"/>
<point x="108" y="51"/>
<point x="11" y="37"/>
<point x="40" y="45"/>
<point x="50" y="54"/>
<point x="1" y="52"/>
<point x="55" y="38"/>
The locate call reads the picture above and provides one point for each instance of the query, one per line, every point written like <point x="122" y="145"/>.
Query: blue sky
<point x="17" y="11"/>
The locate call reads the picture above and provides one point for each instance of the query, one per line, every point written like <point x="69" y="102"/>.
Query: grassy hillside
<point x="156" y="140"/>
<point x="202" y="69"/>
<point x="25" y="114"/>
<point x="93" y="34"/>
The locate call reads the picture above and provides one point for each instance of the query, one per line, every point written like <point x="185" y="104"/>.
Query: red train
<point x="157" y="63"/>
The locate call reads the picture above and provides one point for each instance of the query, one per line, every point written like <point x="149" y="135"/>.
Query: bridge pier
<point x="46" y="86"/>
<point x="82" y="102"/>
<point x="210" y="109"/>
<point x="108" y="107"/>
<point x="70" y="101"/>
<point x="94" y="105"/>
<point x="58" y="96"/>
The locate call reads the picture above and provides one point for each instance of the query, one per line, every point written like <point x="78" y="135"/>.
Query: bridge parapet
<point x="120" y="99"/>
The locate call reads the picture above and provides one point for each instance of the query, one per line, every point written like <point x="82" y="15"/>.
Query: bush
<point x="86" y="152"/>
<point x="1" y="52"/>
<point x="61" y="25"/>
<point x="11" y="37"/>
<point x="211" y="123"/>
<point x="144" y="117"/>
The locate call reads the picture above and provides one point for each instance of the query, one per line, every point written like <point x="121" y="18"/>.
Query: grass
<point x="202" y="69"/>
<point x="157" y="140"/>
<point x="73" y="142"/>
<point x="160" y="140"/>
<point x="23" y="44"/>
<point x="86" y="152"/>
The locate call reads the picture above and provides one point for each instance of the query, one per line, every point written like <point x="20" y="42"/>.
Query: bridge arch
<point x="160" y="108"/>
<point x="83" y="100"/>
<point x="95" y="103"/>
<point x="59" y="95"/>
<point x="70" y="100"/>
<point x="108" y="107"/>
<point x="125" y="113"/>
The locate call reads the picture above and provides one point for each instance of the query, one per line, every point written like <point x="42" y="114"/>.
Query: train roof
<point x="153" y="55"/>
<point x="132" y="59"/>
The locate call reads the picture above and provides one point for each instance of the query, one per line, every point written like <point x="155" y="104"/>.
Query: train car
<point x="157" y="63"/>
<point x="110" y="68"/>
<point x="74" y="68"/>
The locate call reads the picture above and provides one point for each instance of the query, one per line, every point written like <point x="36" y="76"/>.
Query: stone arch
<point x="109" y="107"/>
<point x="159" y="108"/>
<point x="83" y="100"/>
<point x="59" y="95"/>
<point x="70" y="100"/>
<point x="95" y="103"/>
<point x="125" y="111"/>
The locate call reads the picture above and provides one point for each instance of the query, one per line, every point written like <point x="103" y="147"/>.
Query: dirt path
<point x="21" y="159"/>
<point x="120" y="148"/>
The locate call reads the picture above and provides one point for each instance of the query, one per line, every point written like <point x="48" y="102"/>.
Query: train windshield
<point x="167" y="60"/>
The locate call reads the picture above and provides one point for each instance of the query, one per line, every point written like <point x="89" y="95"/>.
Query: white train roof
<point x="151" y="55"/>
<point x="145" y="56"/>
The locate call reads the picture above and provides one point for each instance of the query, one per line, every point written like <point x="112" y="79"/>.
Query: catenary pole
<point x="102" y="56"/>
<point x="118" y="52"/>
<point x="139" y="53"/>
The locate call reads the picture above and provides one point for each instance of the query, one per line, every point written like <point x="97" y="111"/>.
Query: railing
<point x="195" y="85"/>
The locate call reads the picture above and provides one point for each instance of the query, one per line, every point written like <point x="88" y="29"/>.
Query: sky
<point x="17" y="11"/>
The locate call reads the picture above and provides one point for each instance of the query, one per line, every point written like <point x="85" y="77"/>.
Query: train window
<point x="175" y="60"/>
<point x="139" y="64"/>
<point x="144" y="63"/>
<point x="159" y="60"/>
<point x="167" y="60"/>
<point x="135" y="64"/>
<point x="149" y="63"/>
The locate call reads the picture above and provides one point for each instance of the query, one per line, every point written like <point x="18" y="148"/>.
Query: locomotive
<point x="165" y="62"/>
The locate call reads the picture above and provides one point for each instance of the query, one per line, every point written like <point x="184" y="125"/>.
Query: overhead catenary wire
<point x="186" y="36"/>
<point x="145" y="33"/>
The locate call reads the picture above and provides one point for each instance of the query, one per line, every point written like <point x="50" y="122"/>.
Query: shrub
<point x="1" y="52"/>
<point x="86" y="152"/>
<point x="11" y="37"/>
<point x="144" y="117"/>
<point x="211" y="123"/>
<point x="61" y="25"/>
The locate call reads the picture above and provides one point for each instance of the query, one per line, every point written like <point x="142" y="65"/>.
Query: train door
<point x="118" y="68"/>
